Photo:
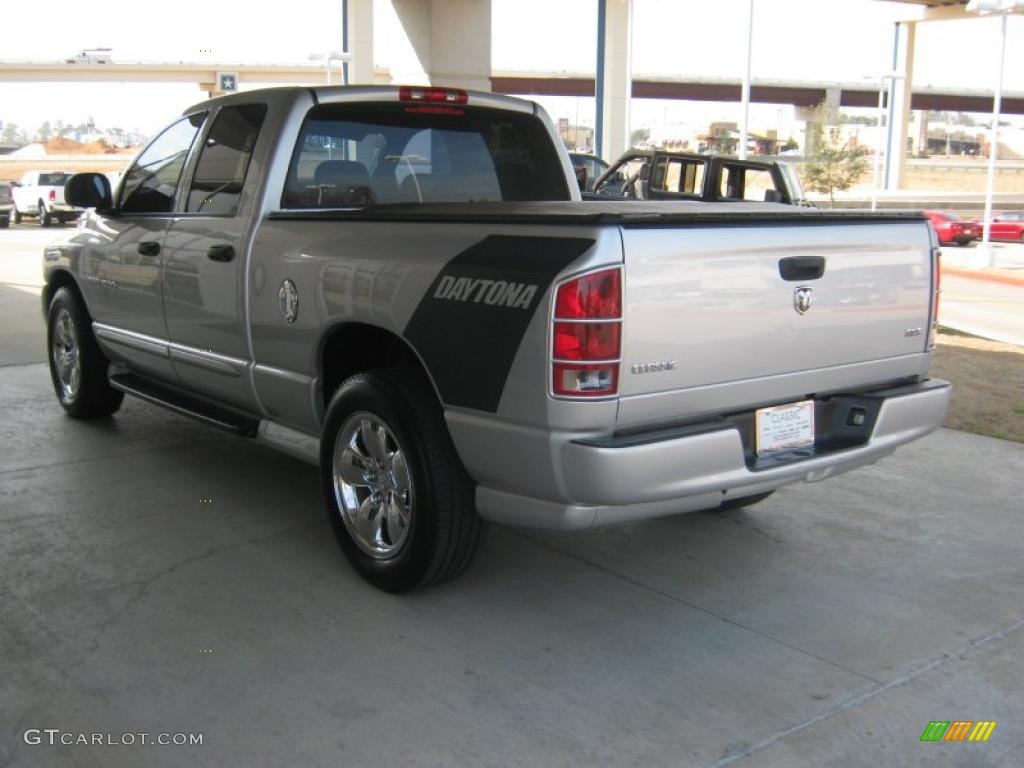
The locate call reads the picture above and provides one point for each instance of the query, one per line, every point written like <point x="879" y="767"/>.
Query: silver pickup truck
<point x="403" y="286"/>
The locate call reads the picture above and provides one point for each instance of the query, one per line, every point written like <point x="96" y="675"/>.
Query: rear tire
<point x="15" y="216"/>
<point x="78" y="368"/>
<point x="5" y="222"/>
<point x="400" y="503"/>
<point x="44" y="216"/>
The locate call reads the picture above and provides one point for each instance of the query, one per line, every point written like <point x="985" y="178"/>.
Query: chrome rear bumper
<point x="666" y="472"/>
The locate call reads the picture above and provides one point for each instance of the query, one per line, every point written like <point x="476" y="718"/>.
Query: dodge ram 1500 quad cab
<point x="403" y="286"/>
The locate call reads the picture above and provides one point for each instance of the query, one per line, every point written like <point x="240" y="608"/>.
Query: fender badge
<point x="802" y="298"/>
<point x="288" y="301"/>
<point x="660" y="365"/>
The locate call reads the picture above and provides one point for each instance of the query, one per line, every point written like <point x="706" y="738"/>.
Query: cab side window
<point x="680" y="176"/>
<point x="757" y="183"/>
<point x="224" y="160"/>
<point x="150" y="184"/>
<point x="740" y="182"/>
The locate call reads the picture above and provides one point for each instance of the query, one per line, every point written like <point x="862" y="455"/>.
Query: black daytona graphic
<point x="470" y="322"/>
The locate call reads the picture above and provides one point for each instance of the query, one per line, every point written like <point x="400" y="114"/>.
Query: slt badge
<point x="802" y="298"/>
<point x="288" y="301"/>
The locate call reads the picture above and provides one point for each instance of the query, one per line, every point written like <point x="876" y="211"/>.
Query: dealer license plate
<point x="784" y="427"/>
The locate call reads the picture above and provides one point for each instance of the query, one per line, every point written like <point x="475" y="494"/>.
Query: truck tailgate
<point x="713" y="300"/>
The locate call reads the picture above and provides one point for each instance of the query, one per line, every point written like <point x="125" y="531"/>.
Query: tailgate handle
<point x="800" y="268"/>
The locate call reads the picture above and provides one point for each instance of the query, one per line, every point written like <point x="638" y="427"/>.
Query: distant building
<point x="724" y="139"/>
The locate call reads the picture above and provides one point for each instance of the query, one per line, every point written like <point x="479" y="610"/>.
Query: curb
<point x="988" y="276"/>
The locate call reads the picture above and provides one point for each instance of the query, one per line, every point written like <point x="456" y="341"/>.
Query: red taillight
<point x="591" y="297"/>
<point x="432" y="95"/>
<point x="585" y="353"/>
<point x="586" y="341"/>
<point x="53" y="194"/>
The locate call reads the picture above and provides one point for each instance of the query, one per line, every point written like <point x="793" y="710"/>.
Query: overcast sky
<point x="817" y="40"/>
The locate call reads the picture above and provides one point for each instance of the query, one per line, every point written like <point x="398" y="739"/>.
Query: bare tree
<point x="13" y="134"/>
<point x="837" y="164"/>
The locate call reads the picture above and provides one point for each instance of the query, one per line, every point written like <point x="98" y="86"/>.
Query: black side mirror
<point x="89" y="190"/>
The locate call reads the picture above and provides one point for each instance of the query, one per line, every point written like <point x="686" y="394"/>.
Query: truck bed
<point x="612" y="212"/>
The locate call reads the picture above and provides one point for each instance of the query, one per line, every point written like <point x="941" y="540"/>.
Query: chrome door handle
<point x="222" y="252"/>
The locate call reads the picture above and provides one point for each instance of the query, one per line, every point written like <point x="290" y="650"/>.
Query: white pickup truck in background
<point x="41" y="194"/>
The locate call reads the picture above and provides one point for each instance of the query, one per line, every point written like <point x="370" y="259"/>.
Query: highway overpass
<point x="797" y="93"/>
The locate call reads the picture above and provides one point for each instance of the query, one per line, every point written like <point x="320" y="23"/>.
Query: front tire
<point x="400" y="502"/>
<point x="77" y="366"/>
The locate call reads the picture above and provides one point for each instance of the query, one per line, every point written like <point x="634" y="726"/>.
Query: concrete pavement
<point x="159" y="576"/>
<point x="22" y="333"/>
<point x="162" y="577"/>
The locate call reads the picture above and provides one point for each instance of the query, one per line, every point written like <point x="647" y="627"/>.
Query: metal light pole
<point x="891" y="116"/>
<point x="327" y="58"/>
<point x="602" y="12"/>
<point x="878" y="146"/>
<point x="1004" y="8"/>
<point x="881" y="139"/>
<point x="344" y="41"/>
<point x="745" y="94"/>
<point x="993" y="147"/>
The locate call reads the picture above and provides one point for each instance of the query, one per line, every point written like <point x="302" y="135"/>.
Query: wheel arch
<point x="351" y="347"/>
<point x="62" y="278"/>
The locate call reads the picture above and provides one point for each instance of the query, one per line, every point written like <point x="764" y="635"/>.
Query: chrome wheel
<point x="66" y="355"/>
<point x="372" y="485"/>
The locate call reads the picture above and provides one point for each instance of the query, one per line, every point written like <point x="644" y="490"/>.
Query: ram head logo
<point x="802" y="298"/>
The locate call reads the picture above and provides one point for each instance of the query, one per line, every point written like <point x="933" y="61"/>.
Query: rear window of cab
<point x="369" y="154"/>
<point x="53" y="179"/>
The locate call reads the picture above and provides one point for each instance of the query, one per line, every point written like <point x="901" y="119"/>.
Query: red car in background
<point x="951" y="229"/>
<point x="1005" y="226"/>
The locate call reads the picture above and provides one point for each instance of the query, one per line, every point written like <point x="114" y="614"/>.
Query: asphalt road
<point x="983" y="307"/>
<point x="160" y="577"/>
